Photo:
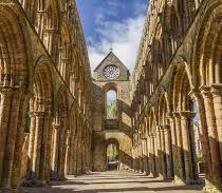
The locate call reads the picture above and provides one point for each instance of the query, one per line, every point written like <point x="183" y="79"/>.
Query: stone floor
<point x="115" y="182"/>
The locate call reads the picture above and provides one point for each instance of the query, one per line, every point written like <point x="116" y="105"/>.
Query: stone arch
<point x="157" y="54"/>
<point x="65" y="54"/>
<point x="152" y="121"/>
<point x="115" y="142"/>
<point x="60" y="133"/>
<point x="208" y="62"/>
<point x="41" y="110"/>
<point x="176" y="86"/>
<point x="191" y="8"/>
<point x="183" y="113"/>
<point x="72" y="151"/>
<point x="163" y="110"/>
<point x="14" y="83"/>
<point x="14" y="71"/>
<point x="207" y="71"/>
<point x="172" y="26"/>
<point x="46" y="21"/>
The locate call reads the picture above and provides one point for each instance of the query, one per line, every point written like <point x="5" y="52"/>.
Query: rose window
<point x="111" y="72"/>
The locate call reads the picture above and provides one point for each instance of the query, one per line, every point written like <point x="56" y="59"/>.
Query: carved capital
<point x="206" y="91"/>
<point x="176" y="114"/>
<point x="216" y="90"/>
<point x="50" y="30"/>
<point x="39" y="114"/>
<point x="6" y="91"/>
<point x="166" y="129"/>
<point x="195" y="93"/>
<point x="187" y="114"/>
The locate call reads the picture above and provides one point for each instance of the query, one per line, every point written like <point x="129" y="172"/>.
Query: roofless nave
<point x="56" y="120"/>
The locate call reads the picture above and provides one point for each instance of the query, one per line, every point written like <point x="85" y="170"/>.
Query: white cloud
<point x="123" y="37"/>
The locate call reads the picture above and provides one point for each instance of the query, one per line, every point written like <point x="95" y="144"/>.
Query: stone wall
<point x="118" y="129"/>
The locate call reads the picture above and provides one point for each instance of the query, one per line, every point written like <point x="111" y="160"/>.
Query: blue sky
<point x="113" y="24"/>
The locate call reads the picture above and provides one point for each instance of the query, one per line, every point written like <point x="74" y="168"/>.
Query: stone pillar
<point x="216" y="90"/>
<point x="158" y="153"/>
<point x="168" y="151"/>
<point x="67" y="138"/>
<point x="62" y="141"/>
<point x="38" y="140"/>
<point x="21" y="144"/>
<point x="11" y="138"/>
<point x="141" y="157"/>
<point x="162" y="153"/>
<point x="177" y="150"/>
<point x="214" y="183"/>
<point x="5" y="103"/>
<point x="195" y="93"/>
<point x="40" y="22"/>
<point x="147" y="154"/>
<point x="48" y="39"/>
<point x="191" y="175"/>
<point x="71" y="151"/>
<point x="153" y="156"/>
<point x="56" y="126"/>
<point x="32" y="140"/>
<point x="44" y="169"/>
<point x="75" y="153"/>
<point x="79" y="149"/>
<point x="49" y="146"/>
<point x="144" y="155"/>
<point x="180" y="177"/>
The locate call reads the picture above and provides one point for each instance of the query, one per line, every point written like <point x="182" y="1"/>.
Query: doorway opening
<point x="112" y="156"/>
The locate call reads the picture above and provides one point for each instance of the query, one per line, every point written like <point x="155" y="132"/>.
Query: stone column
<point x="5" y="103"/>
<point x="216" y="90"/>
<point x="150" y="142"/>
<point x="40" y="22"/>
<point x="11" y="138"/>
<point x="180" y="178"/>
<point x="195" y="93"/>
<point x="71" y="151"/>
<point x="79" y="148"/>
<point x="49" y="147"/>
<point x="158" y="153"/>
<point x="38" y="140"/>
<point x="215" y="181"/>
<point x="44" y="171"/>
<point x="190" y="171"/>
<point x="66" y="151"/>
<point x="168" y="151"/>
<point x="21" y="144"/>
<point x="163" y="152"/>
<point x="48" y="39"/>
<point x="153" y="155"/>
<point x="55" y="147"/>
<point x="32" y="140"/>
<point x="144" y="155"/>
<point x="75" y="157"/>
<point x="147" y="155"/>
<point x="62" y="141"/>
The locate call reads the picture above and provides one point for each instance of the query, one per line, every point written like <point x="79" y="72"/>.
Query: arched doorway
<point x="112" y="153"/>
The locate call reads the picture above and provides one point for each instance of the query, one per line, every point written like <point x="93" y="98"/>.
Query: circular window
<point x="111" y="72"/>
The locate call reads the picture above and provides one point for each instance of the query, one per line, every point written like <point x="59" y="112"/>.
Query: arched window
<point x="111" y="104"/>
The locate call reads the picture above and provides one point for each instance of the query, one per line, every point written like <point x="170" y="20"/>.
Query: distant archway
<point x="112" y="153"/>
